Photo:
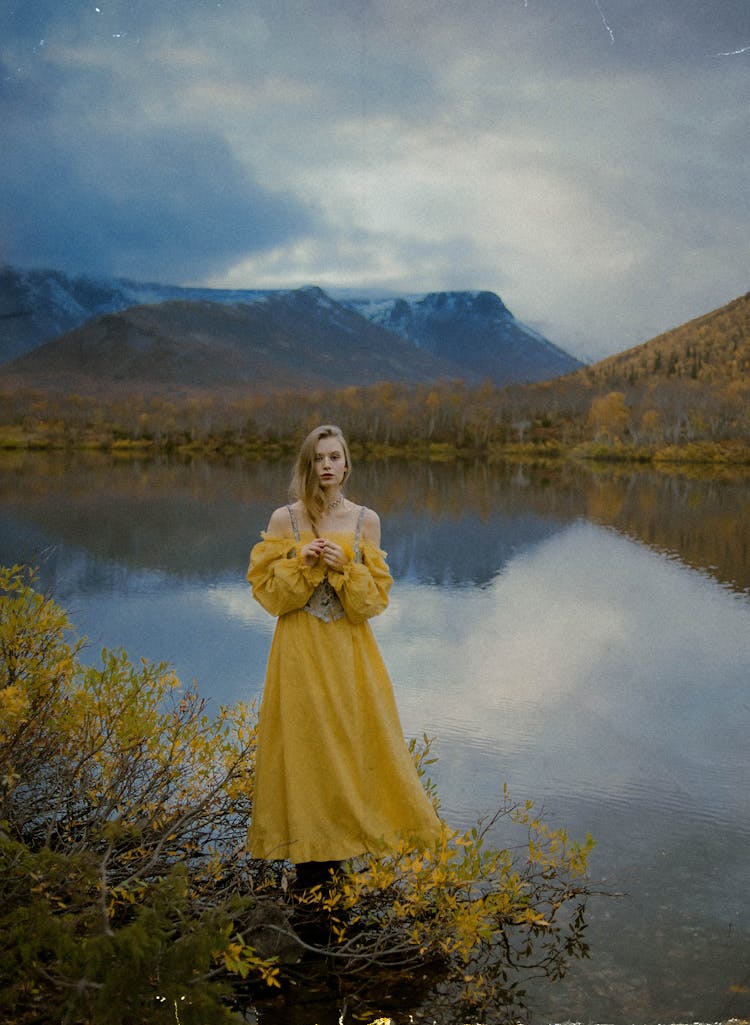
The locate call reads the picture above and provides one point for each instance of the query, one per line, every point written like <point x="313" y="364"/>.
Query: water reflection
<point x="443" y="523"/>
<point x="546" y="628"/>
<point x="703" y="519"/>
<point x="611" y="686"/>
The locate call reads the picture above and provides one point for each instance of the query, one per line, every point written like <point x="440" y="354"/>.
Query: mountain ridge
<point x="472" y="328"/>
<point x="188" y="345"/>
<point x="471" y="335"/>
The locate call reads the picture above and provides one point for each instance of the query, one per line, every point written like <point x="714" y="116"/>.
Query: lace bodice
<point x="324" y="603"/>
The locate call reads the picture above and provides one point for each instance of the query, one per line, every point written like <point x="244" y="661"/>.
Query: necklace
<point x="335" y="504"/>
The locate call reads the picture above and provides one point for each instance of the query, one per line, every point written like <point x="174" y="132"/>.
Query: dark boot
<point x="315" y="873"/>
<point x="312" y="923"/>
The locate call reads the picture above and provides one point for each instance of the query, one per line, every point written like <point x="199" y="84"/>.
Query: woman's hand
<point x="333" y="555"/>
<point x="310" y="553"/>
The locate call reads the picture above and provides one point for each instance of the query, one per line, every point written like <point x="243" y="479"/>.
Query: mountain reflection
<point x="442" y="522"/>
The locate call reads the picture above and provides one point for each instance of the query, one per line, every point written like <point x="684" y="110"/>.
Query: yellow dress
<point x="334" y="777"/>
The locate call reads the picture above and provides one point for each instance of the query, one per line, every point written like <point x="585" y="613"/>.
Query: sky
<point x="587" y="160"/>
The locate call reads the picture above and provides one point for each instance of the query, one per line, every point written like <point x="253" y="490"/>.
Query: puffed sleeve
<point x="363" y="586"/>
<point x="279" y="579"/>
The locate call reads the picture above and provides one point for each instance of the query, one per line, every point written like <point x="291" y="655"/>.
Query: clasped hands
<point x="332" y="554"/>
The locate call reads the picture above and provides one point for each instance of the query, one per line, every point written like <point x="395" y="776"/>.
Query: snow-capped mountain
<point x="469" y="335"/>
<point x="36" y="305"/>
<point x="474" y="330"/>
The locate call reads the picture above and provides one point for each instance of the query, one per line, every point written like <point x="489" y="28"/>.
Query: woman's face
<point x="330" y="463"/>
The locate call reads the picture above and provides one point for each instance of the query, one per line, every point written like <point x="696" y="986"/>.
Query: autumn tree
<point x="609" y="415"/>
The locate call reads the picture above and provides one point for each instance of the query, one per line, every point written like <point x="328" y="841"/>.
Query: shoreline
<point x="226" y="444"/>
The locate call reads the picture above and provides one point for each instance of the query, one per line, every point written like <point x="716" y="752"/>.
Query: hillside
<point x="713" y="349"/>
<point x="298" y="340"/>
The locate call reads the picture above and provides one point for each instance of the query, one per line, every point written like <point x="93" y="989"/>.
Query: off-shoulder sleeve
<point x="363" y="586"/>
<point x="280" y="581"/>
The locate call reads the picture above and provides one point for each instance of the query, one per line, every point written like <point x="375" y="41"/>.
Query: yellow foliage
<point x="147" y="799"/>
<point x="609" y="414"/>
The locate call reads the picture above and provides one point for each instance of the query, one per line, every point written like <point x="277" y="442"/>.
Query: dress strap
<point x="357" y="533"/>
<point x="293" y="518"/>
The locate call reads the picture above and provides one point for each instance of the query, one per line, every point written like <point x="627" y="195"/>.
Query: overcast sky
<point x="585" y="159"/>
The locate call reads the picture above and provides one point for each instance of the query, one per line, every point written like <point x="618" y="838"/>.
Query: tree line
<point x="610" y="416"/>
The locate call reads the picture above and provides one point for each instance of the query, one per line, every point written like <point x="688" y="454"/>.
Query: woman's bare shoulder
<point x="371" y="526"/>
<point x="280" y="524"/>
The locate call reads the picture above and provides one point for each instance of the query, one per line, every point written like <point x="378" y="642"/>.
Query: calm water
<point x="584" y="638"/>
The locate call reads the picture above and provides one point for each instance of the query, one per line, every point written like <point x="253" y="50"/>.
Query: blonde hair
<point x="304" y="484"/>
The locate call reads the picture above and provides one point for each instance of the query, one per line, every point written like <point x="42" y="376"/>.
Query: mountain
<point x="467" y="335"/>
<point x="36" y="305"/>
<point x="713" y="349"/>
<point x="473" y="330"/>
<point x="300" y="339"/>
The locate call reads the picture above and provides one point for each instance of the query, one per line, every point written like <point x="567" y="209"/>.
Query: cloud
<point x="107" y="188"/>
<point x="156" y="203"/>
<point x="584" y="159"/>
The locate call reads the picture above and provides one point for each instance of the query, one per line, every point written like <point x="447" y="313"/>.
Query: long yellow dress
<point x="334" y="777"/>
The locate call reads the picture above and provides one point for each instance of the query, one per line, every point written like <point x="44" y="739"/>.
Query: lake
<point x="582" y="635"/>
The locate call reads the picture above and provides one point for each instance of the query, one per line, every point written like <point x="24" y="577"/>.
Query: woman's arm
<point x="282" y="575"/>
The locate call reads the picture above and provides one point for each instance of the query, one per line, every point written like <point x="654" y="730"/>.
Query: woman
<point x="334" y="777"/>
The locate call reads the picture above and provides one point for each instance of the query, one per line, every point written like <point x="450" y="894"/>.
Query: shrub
<point x="126" y="890"/>
<point x="123" y="810"/>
